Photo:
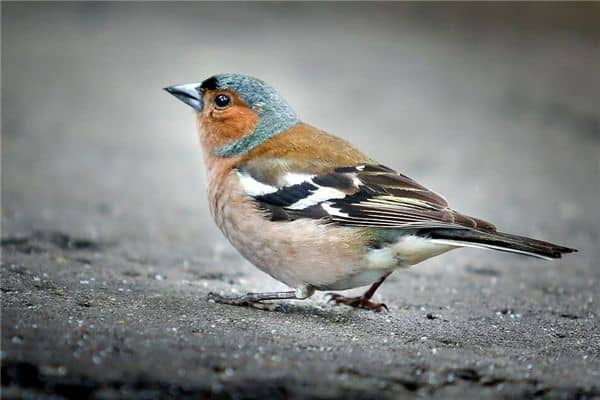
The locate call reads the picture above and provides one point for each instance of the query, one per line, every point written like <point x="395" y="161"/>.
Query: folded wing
<point x="363" y="195"/>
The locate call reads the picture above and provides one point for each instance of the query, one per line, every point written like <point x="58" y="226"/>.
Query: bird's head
<point x="235" y="112"/>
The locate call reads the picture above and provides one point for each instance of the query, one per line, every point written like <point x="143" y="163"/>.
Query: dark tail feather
<point x="497" y="241"/>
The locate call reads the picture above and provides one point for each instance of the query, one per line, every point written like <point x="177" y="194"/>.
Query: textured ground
<point x="108" y="250"/>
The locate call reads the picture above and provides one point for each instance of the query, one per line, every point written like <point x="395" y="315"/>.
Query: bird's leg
<point x="363" y="301"/>
<point x="255" y="299"/>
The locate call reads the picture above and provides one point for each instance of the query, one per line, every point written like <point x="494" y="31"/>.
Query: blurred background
<point x="494" y="105"/>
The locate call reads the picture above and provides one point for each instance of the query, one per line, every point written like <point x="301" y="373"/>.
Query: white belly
<point x="407" y="251"/>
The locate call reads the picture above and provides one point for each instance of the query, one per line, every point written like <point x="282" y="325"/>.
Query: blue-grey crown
<point x="275" y="114"/>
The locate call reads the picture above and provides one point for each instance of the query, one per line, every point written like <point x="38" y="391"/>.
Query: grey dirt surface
<point x="108" y="249"/>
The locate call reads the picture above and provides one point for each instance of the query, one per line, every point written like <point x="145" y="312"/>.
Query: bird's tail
<point x="497" y="241"/>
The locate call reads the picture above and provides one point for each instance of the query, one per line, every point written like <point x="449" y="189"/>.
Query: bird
<point x="313" y="211"/>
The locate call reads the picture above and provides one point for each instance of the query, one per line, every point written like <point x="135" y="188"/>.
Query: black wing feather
<point x="371" y="196"/>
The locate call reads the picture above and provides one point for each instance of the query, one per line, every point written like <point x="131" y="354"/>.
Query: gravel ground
<point x="108" y="250"/>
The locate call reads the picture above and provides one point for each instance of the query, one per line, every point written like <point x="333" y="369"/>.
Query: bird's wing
<point x="362" y="195"/>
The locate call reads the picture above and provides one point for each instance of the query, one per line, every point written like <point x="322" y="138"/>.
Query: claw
<point x="213" y="297"/>
<point x="331" y="297"/>
<point x="235" y="301"/>
<point x="356" y="302"/>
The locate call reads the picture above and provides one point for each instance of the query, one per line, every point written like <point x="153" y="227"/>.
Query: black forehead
<point x="210" y="84"/>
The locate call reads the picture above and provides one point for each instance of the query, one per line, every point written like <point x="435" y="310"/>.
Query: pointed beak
<point x="189" y="93"/>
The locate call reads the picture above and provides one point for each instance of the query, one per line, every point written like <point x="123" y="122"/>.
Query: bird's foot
<point x="247" y="300"/>
<point x="357" y="302"/>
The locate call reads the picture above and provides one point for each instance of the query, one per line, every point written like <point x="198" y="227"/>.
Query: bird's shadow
<point x="330" y="312"/>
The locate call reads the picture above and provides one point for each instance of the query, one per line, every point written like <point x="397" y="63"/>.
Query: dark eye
<point x="222" y="100"/>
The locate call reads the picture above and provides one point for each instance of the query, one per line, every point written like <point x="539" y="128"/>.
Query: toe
<point x="213" y="297"/>
<point x="376" y="307"/>
<point x="331" y="297"/>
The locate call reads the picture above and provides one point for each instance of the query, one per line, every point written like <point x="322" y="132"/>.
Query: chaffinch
<point x="311" y="210"/>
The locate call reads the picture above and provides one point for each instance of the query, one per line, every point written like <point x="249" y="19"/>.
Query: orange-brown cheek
<point x="218" y="128"/>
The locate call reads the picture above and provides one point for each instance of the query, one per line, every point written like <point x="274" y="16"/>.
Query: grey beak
<point x="189" y="93"/>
